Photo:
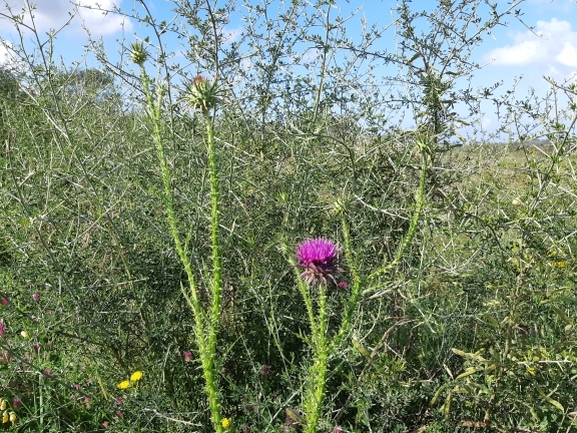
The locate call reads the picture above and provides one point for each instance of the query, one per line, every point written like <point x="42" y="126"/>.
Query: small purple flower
<point x="36" y="347"/>
<point x="318" y="257"/>
<point x="187" y="356"/>
<point x="265" y="370"/>
<point x="5" y="302"/>
<point x="118" y="400"/>
<point x="48" y="372"/>
<point x="16" y="402"/>
<point x="36" y="296"/>
<point x="105" y="424"/>
<point x="337" y="429"/>
<point x="2" y="329"/>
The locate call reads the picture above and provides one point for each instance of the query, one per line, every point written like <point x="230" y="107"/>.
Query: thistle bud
<point x="201" y="94"/>
<point x="138" y="53"/>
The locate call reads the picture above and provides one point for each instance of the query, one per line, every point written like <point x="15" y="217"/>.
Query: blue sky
<point x="512" y="51"/>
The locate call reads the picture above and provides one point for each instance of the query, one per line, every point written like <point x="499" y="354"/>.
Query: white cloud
<point x="7" y="55"/>
<point x="553" y="43"/>
<point x="99" y="22"/>
<point x="568" y="55"/>
<point x="54" y="14"/>
<point x="4" y="52"/>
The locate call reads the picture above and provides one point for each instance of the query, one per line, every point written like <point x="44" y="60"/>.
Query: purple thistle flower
<point x="36" y="296"/>
<point x="16" y="402"/>
<point x="187" y="356"/>
<point x="338" y="429"/>
<point x="265" y="370"/>
<point x="318" y="257"/>
<point x="5" y="302"/>
<point x="2" y="329"/>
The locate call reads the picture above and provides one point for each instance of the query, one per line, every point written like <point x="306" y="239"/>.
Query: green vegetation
<point x="148" y="249"/>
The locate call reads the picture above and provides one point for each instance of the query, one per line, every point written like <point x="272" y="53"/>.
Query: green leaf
<point x="550" y="400"/>
<point x="361" y="349"/>
<point x="472" y="356"/>
<point x="437" y="394"/>
<point x="469" y="371"/>
<point x="564" y="317"/>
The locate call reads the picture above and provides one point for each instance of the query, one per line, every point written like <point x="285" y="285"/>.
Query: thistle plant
<point x="318" y="259"/>
<point x="204" y="96"/>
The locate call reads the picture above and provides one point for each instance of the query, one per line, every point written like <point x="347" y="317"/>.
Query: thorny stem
<point x="206" y="336"/>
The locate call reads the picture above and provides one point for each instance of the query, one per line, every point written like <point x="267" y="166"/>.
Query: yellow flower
<point x="5" y="417"/>
<point x="3" y="404"/>
<point x="24" y="334"/>
<point x="225" y="422"/>
<point x="136" y="376"/>
<point x="560" y="264"/>
<point x="13" y="417"/>
<point x="123" y="385"/>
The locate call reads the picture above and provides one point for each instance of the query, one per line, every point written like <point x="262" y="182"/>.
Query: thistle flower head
<point x="202" y="94"/>
<point x="319" y="260"/>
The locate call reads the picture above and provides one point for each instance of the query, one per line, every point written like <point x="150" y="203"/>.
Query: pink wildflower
<point x="318" y="257"/>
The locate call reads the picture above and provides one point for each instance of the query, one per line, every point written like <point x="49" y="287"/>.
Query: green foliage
<point x="459" y="310"/>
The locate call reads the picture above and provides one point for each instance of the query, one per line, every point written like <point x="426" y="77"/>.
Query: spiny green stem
<point x="205" y="335"/>
<point x="317" y="375"/>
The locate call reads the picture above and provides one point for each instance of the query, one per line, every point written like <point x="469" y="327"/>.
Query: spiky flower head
<point x="319" y="260"/>
<point x="202" y="94"/>
<point x="138" y="53"/>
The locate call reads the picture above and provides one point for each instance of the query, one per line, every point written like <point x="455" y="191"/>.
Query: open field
<point x="229" y="259"/>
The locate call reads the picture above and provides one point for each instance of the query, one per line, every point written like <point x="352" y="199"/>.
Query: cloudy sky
<point x="549" y="49"/>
